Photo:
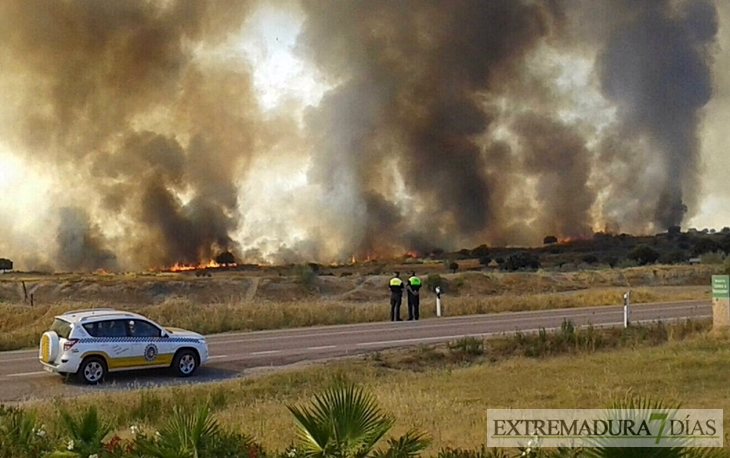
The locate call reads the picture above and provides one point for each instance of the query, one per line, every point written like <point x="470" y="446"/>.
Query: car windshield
<point x="62" y="328"/>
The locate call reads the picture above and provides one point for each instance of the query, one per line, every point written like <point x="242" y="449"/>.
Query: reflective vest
<point x="396" y="281"/>
<point x="415" y="283"/>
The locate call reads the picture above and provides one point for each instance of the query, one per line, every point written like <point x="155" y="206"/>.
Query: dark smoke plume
<point x="427" y="78"/>
<point x="95" y="72"/>
<point x="80" y="243"/>
<point x="655" y="66"/>
<point x="413" y="75"/>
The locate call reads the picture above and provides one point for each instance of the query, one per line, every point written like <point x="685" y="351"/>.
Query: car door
<point x="149" y="348"/>
<point x="110" y="338"/>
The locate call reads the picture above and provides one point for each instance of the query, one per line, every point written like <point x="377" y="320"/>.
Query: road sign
<point x="721" y="286"/>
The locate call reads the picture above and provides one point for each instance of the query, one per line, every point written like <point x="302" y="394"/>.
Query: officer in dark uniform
<point x="396" y="296"/>
<point x="414" y="300"/>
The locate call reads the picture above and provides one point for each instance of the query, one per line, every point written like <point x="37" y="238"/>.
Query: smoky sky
<point x="656" y="68"/>
<point x="118" y="98"/>
<point x="96" y="69"/>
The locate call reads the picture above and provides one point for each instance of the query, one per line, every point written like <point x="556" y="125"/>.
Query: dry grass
<point x="449" y="402"/>
<point x="21" y="325"/>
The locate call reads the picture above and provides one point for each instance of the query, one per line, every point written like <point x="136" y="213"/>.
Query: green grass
<point x="447" y="390"/>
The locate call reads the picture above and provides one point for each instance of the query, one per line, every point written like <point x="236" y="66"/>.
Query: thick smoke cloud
<point x="96" y="71"/>
<point x="414" y="76"/>
<point x="81" y="243"/>
<point x="655" y="67"/>
<point x="445" y="125"/>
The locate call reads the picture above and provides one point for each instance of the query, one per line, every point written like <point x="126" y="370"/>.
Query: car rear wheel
<point x="92" y="371"/>
<point x="185" y="363"/>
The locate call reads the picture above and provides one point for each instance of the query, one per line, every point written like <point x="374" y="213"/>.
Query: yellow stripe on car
<point x="138" y="361"/>
<point x="45" y="348"/>
<point x="130" y="362"/>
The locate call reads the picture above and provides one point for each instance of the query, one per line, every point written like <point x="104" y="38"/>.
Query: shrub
<point x="716" y="257"/>
<point x="467" y="347"/>
<point x="550" y="239"/>
<point x="453" y="266"/>
<point x="225" y="258"/>
<point x="705" y="245"/>
<point x="305" y="275"/>
<point x="346" y="422"/>
<point x="434" y="280"/>
<point x="195" y="434"/>
<point x="643" y="254"/>
<point x="521" y="260"/>
<point x="20" y="436"/>
<point x="626" y="263"/>
<point x="85" y="431"/>
<point x="673" y="257"/>
<point x="612" y="261"/>
<point x="480" y="252"/>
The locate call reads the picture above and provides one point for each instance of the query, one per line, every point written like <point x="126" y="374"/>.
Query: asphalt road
<point x="22" y="377"/>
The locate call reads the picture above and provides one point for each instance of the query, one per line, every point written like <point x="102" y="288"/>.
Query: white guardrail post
<point x="438" y="301"/>
<point x="626" y="309"/>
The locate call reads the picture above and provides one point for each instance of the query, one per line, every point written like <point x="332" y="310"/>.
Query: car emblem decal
<point x="150" y="352"/>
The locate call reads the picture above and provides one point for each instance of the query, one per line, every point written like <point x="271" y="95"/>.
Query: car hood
<point x="177" y="332"/>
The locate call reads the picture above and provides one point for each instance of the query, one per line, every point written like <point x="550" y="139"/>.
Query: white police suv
<point x="92" y="343"/>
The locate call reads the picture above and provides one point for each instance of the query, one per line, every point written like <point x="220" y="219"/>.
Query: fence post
<point x="438" y="301"/>
<point x="626" y="309"/>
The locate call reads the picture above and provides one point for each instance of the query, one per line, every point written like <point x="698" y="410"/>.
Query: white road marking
<point x="325" y="347"/>
<point x="268" y="352"/>
<point x="498" y="318"/>
<point x="14" y="359"/>
<point x="218" y="356"/>
<point x="23" y="374"/>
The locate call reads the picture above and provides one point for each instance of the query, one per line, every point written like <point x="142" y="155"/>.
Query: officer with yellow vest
<point x="414" y="300"/>
<point x="396" y="296"/>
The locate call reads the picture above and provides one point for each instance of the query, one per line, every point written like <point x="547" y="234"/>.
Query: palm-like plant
<point x="346" y="422"/>
<point x="185" y="435"/>
<point x="86" y="432"/>
<point x="19" y="436"/>
<point x="645" y="404"/>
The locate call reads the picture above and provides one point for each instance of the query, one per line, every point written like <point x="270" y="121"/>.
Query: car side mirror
<point x="165" y="334"/>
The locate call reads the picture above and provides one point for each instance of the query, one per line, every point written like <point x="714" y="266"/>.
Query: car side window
<point x="139" y="328"/>
<point x="107" y="328"/>
<point x="94" y="329"/>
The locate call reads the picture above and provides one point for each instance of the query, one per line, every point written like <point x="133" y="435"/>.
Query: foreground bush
<point x="343" y="422"/>
<point x="346" y="422"/>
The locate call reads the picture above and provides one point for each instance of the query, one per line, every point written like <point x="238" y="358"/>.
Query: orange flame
<point x="186" y="267"/>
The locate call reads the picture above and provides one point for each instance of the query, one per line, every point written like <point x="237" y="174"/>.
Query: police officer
<point x="414" y="300"/>
<point x="396" y="296"/>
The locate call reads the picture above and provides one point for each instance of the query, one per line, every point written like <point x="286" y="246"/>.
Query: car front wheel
<point x="92" y="371"/>
<point x="185" y="363"/>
